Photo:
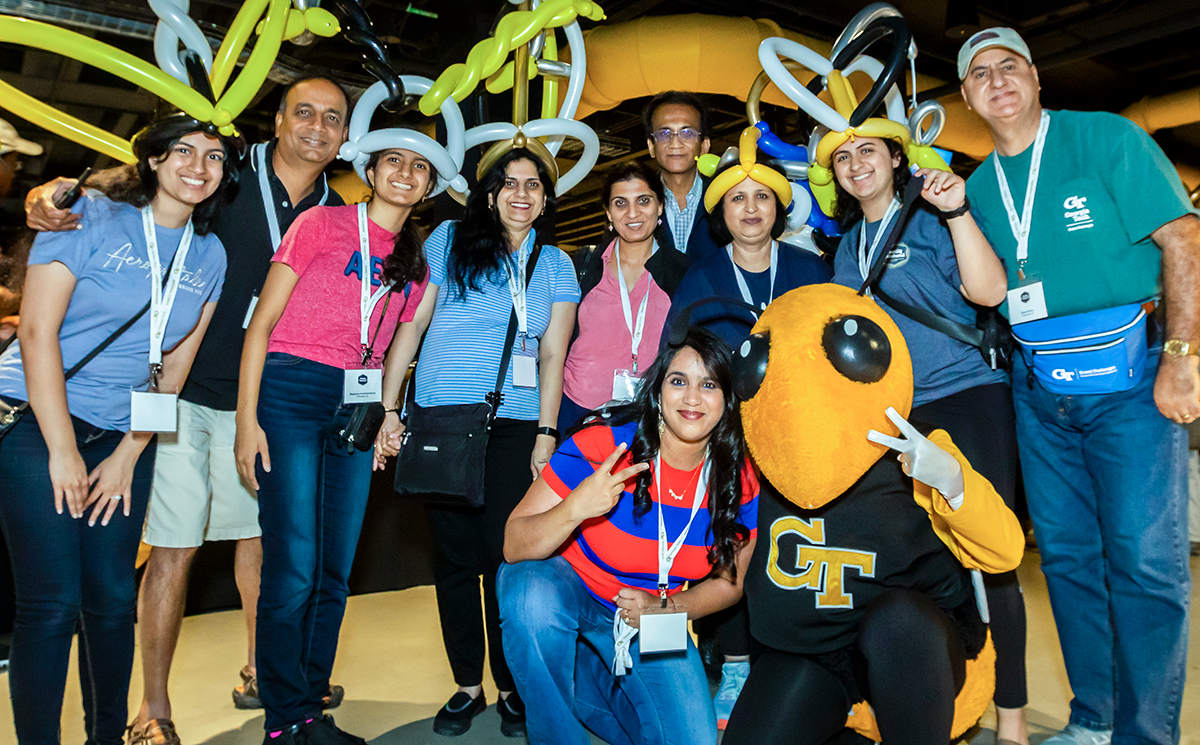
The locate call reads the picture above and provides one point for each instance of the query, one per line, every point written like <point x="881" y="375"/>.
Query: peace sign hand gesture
<point x="601" y="491"/>
<point x="922" y="460"/>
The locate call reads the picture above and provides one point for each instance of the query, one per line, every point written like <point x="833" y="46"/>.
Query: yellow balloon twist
<point x="515" y="29"/>
<point x="748" y="167"/>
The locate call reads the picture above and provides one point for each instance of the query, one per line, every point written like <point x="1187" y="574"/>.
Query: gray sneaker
<point x="1076" y="734"/>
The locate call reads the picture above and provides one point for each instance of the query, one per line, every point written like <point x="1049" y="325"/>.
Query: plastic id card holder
<point x="524" y="369"/>
<point x="152" y="412"/>
<point x="663" y="630"/>
<point x="625" y="385"/>
<point x="362" y="387"/>
<point x="1027" y="303"/>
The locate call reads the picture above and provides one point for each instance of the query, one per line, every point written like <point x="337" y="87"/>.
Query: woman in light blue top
<point x="76" y="447"/>
<point x="477" y="270"/>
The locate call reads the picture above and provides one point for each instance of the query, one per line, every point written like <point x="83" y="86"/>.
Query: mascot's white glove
<point x="923" y="460"/>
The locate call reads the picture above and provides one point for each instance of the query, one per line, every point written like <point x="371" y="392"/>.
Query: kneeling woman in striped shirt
<point x="595" y="587"/>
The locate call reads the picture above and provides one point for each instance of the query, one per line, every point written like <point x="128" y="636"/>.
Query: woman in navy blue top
<point x="753" y="266"/>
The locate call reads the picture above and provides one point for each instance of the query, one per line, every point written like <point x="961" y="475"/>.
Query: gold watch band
<point x="1180" y="348"/>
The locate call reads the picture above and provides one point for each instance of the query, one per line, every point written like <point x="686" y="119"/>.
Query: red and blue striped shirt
<point x="618" y="550"/>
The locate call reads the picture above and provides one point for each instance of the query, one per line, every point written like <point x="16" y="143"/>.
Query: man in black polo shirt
<point x="197" y="494"/>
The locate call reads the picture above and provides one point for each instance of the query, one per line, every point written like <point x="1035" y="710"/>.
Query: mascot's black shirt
<point x="815" y="572"/>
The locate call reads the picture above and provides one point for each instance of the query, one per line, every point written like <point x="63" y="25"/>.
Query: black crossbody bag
<point x="443" y="448"/>
<point x="991" y="334"/>
<point x="366" y="419"/>
<point x="10" y="415"/>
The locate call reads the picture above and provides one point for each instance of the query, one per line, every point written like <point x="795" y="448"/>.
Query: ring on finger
<point x="116" y="497"/>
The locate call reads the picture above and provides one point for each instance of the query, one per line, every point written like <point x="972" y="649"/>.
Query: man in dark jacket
<point x="676" y="124"/>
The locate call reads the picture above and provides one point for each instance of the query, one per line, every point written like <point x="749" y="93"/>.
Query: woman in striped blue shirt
<point x="477" y="269"/>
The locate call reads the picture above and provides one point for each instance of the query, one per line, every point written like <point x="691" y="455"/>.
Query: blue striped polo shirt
<point x="461" y="353"/>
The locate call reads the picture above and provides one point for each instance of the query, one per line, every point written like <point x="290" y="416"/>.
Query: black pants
<point x="982" y="424"/>
<point x="469" y="543"/>
<point x="910" y="662"/>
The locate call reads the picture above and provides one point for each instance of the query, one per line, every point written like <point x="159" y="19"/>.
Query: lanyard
<point x="1020" y="226"/>
<point x="516" y="286"/>
<point x="667" y="554"/>
<point x="264" y="187"/>
<point x="162" y="299"/>
<point x="741" y="281"/>
<point x="865" y="257"/>
<point x="635" y="330"/>
<point x="367" y="301"/>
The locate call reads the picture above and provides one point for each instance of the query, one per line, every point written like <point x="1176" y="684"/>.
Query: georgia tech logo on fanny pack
<point x="814" y="567"/>
<point x="1061" y="374"/>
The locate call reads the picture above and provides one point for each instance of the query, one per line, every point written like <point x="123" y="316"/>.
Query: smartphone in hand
<point x="67" y="199"/>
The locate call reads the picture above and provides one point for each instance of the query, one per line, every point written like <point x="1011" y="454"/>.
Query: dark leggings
<point x="982" y="424"/>
<point x="469" y="543"/>
<point x="910" y="661"/>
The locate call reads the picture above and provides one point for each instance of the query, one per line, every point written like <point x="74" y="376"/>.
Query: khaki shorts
<point x="197" y="494"/>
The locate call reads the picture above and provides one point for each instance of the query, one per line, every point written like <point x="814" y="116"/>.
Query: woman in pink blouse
<point x="627" y="284"/>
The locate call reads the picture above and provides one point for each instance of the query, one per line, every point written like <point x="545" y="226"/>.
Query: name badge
<point x="152" y="412"/>
<point x="663" y="630"/>
<point x="250" y="311"/>
<point x="625" y="385"/>
<point x="362" y="386"/>
<point x="524" y="365"/>
<point x="1027" y="303"/>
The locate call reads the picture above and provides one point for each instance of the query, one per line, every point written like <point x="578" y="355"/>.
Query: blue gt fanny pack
<point x="1103" y="351"/>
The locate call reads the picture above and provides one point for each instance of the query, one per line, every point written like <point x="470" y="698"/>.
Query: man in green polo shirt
<point x="1088" y="214"/>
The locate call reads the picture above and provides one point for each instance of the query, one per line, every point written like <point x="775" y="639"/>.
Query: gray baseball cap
<point x="986" y="39"/>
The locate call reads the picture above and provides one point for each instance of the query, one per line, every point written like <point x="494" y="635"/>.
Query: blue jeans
<point x="1106" y="480"/>
<point x="69" y="577"/>
<point x="559" y="644"/>
<point x="311" y="508"/>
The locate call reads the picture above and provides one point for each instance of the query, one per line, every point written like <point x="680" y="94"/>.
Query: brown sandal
<point x="246" y="695"/>
<point x="153" y="732"/>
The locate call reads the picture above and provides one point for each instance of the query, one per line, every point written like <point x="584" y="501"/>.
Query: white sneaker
<point x="1076" y="734"/>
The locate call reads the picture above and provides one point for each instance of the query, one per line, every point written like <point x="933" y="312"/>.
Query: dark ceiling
<point x="1091" y="54"/>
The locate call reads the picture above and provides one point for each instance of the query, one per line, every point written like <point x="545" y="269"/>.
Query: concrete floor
<point x="393" y="666"/>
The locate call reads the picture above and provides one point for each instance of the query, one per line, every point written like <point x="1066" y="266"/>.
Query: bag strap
<point x="106" y="343"/>
<point x="496" y="397"/>
<point x="958" y="331"/>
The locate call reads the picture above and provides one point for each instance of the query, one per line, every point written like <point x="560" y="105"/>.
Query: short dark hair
<point x="684" y="98"/>
<point x="716" y="221"/>
<point x="317" y="75"/>
<point x="847" y="210"/>
<point x="139" y="183"/>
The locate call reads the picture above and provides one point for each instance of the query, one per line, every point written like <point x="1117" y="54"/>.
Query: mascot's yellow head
<point x="818" y="372"/>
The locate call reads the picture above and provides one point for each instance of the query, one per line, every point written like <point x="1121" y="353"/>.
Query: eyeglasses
<point x="664" y="135"/>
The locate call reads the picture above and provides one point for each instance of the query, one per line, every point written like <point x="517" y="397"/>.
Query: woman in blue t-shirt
<point x="78" y="449"/>
<point x="944" y="265"/>
<point x="477" y="270"/>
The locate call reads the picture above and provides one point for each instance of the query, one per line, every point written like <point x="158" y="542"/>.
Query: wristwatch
<point x="1180" y="348"/>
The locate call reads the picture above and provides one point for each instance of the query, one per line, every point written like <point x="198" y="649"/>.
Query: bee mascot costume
<point x="859" y="589"/>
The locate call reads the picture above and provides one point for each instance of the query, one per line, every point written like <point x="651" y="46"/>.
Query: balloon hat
<point x="849" y="118"/>
<point x="180" y="74"/>
<point x="533" y="23"/>
<point x="743" y="164"/>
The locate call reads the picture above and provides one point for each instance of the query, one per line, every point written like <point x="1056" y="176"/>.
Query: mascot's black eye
<point x="858" y="348"/>
<point x="750" y="365"/>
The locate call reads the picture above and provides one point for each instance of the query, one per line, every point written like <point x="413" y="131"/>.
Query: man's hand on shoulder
<point x="1177" y="388"/>
<point x="40" y="212"/>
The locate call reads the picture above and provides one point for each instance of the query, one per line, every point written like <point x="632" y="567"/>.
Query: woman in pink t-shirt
<point x="627" y="284"/>
<point x="345" y="283"/>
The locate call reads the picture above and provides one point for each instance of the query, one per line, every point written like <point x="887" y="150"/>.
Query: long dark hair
<point x="406" y="262"/>
<point x="139" y="184"/>
<point x="716" y="222"/>
<point x="726" y="447"/>
<point x="847" y="210"/>
<point x="480" y="245"/>
<point x="634" y="170"/>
